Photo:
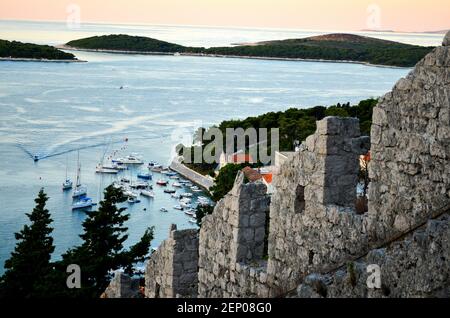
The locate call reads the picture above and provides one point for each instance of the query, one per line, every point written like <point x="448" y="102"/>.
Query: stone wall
<point x="122" y="286"/>
<point x="172" y="269"/>
<point x="232" y="239"/>
<point x="313" y="223"/>
<point x="410" y="167"/>
<point x="415" y="266"/>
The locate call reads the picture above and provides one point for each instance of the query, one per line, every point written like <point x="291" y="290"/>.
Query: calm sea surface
<point x="53" y="110"/>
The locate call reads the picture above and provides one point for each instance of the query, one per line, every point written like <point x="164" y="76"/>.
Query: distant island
<point x="14" y="50"/>
<point x="331" y="47"/>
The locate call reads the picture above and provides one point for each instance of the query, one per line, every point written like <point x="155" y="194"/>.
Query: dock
<point x="202" y="181"/>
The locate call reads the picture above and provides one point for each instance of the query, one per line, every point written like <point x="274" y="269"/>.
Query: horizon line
<point x="387" y="31"/>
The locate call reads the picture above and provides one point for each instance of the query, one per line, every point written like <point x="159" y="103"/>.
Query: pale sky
<point x="399" y="15"/>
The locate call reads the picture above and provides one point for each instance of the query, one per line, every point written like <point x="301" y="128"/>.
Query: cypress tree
<point x="29" y="265"/>
<point x="102" y="249"/>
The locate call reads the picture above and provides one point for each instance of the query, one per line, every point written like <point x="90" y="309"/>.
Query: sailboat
<point x="67" y="184"/>
<point x="102" y="168"/>
<point x="80" y="190"/>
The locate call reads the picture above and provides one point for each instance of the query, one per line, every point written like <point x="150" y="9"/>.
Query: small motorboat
<point x="163" y="210"/>
<point x="178" y="207"/>
<point x="189" y="212"/>
<point x="186" y="195"/>
<point x="125" y="180"/>
<point x="192" y="221"/>
<point x="156" y="168"/>
<point x="161" y="182"/>
<point x="144" y="175"/>
<point x="170" y="173"/>
<point x="67" y="184"/>
<point x="175" y="196"/>
<point x="83" y="203"/>
<point x="133" y="200"/>
<point x="185" y="205"/>
<point x="170" y="191"/>
<point x="176" y="185"/>
<point x="186" y="200"/>
<point x="148" y="193"/>
<point x="174" y="177"/>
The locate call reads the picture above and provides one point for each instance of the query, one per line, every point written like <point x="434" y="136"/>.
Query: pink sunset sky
<point x="398" y="15"/>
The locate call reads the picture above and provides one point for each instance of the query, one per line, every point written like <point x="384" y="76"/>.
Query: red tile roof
<point x="251" y="174"/>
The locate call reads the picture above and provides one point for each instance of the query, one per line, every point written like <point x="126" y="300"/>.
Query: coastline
<point x="24" y="59"/>
<point x="70" y="48"/>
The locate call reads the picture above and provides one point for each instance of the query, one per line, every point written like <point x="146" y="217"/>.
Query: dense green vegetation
<point x="31" y="274"/>
<point x="341" y="47"/>
<point x="344" y="48"/>
<point x="122" y="42"/>
<point x="16" y="49"/>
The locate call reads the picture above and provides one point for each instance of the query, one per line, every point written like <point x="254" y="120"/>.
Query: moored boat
<point x="83" y="203"/>
<point x="148" y="193"/>
<point x="144" y="175"/>
<point x="161" y="182"/>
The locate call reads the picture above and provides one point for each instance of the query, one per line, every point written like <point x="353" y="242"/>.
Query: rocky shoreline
<point x="23" y="59"/>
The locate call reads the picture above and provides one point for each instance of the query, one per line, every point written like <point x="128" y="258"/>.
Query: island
<point x="14" y="50"/>
<point x="337" y="47"/>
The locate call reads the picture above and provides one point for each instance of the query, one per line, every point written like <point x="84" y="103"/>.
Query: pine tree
<point x="29" y="265"/>
<point x="102" y="249"/>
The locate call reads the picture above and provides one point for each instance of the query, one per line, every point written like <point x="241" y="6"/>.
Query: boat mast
<point x="78" y="170"/>
<point x="67" y="164"/>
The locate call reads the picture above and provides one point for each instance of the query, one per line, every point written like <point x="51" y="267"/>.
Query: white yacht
<point x="148" y="193"/>
<point x="83" y="203"/>
<point x="132" y="159"/>
<point x="105" y="170"/>
<point x="176" y="185"/>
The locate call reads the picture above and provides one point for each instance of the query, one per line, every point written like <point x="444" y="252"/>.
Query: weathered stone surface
<point x="417" y="266"/>
<point x="410" y="172"/>
<point x="123" y="286"/>
<point x="229" y="245"/>
<point x="446" y="41"/>
<point x="172" y="270"/>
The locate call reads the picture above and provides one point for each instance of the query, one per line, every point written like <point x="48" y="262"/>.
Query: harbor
<point x="138" y="180"/>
